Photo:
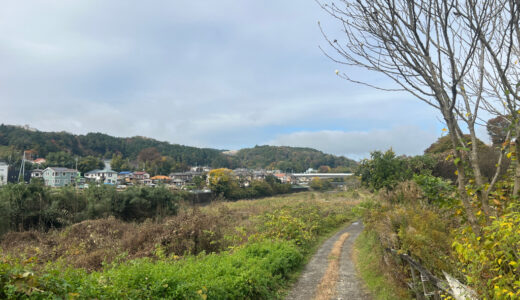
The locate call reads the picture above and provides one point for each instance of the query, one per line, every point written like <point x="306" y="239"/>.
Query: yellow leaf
<point x="444" y="130"/>
<point x="456" y="172"/>
<point x="508" y="154"/>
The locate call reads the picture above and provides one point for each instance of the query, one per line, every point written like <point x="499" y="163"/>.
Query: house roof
<point x="125" y="172"/>
<point x="61" y="169"/>
<point x="189" y="173"/>
<point x="100" y="171"/>
<point x="160" y="177"/>
<point x="140" y="173"/>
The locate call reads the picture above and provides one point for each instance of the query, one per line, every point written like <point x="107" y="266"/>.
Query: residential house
<point x="182" y="178"/>
<point x="105" y="176"/>
<point x="200" y="169"/>
<point x="125" y="176"/>
<point x="58" y="177"/>
<point x="36" y="173"/>
<point x="142" y="177"/>
<point x="243" y="176"/>
<point x="39" y="161"/>
<point x="160" y="179"/>
<point x="284" y="178"/>
<point x="4" y="169"/>
<point x="259" y="174"/>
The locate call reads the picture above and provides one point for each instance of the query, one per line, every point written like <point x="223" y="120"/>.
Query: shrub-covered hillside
<point x="291" y="158"/>
<point x="61" y="148"/>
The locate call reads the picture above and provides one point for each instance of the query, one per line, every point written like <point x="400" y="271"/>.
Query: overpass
<point x="321" y="175"/>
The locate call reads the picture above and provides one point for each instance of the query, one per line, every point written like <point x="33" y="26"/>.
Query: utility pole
<point x="21" y="174"/>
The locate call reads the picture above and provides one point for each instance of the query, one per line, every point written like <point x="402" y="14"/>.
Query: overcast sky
<point x="222" y="74"/>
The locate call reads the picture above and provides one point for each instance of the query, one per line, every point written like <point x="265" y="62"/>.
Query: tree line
<point x="87" y="152"/>
<point x="34" y="206"/>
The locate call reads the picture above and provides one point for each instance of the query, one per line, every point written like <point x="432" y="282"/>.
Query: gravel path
<point x="349" y="286"/>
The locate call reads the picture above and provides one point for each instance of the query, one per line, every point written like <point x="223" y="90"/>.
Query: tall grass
<point x="369" y="255"/>
<point x="239" y="250"/>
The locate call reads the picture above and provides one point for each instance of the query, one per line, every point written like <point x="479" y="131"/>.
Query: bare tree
<point x="437" y="51"/>
<point x="499" y="34"/>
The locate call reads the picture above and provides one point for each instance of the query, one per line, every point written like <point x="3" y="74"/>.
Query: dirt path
<point x="348" y="286"/>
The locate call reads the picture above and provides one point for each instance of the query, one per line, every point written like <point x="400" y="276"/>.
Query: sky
<point x="221" y="74"/>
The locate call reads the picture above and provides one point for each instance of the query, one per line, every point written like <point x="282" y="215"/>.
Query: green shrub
<point x="256" y="271"/>
<point x="436" y="190"/>
<point x="491" y="263"/>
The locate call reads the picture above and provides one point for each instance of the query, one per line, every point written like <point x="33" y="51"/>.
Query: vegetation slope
<point x="155" y="156"/>
<point x="229" y="250"/>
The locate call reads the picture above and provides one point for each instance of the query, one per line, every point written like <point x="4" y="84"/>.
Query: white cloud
<point x="409" y="140"/>
<point x="225" y="74"/>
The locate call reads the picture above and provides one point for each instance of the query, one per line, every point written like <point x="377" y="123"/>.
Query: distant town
<point x="195" y="178"/>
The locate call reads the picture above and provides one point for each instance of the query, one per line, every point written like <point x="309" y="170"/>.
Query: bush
<point x="491" y="263"/>
<point x="37" y="207"/>
<point x="421" y="232"/>
<point x="436" y="190"/>
<point x="256" y="271"/>
<point x="268" y="238"/>
<point x="319" y="184"/>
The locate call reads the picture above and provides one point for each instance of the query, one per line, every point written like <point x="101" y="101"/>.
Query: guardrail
<point x="425" y="285"/>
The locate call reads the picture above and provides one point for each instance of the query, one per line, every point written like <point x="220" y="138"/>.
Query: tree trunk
<point x="475" y="164"/>
<point x="516" y="162"/>
<point x="461" y="176"/>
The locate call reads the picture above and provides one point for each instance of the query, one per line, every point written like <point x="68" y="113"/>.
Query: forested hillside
<point x="291" y="158"/>
<point x="61" y="148"/>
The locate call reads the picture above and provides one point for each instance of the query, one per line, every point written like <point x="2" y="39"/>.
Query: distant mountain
<point x="15" y="139"/>
<point x="290" y="159"/>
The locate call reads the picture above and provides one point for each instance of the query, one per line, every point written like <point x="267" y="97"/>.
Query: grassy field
<point x="368" y="256"/>
<point x="244" y="250"/>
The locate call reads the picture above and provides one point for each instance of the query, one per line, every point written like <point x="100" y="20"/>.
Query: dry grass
<point x="327" y="287"/>
<point x="211" y="228"/>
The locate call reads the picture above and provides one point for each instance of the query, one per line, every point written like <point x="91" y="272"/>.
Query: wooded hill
<point x="290" y="158"/>
<point x="15" y="139"/>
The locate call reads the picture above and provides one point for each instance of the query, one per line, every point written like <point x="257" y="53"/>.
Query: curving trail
<point x="315" y="280"/>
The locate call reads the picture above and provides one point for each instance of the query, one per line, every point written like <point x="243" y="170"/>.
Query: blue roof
<point x="125" y="172"/>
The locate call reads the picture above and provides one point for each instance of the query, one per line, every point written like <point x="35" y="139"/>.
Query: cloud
<point x="409" y="140"/>
<point x="227" y="74"/>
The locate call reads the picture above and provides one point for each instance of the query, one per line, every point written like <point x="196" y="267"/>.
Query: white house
<point x="3" y="173"/>
<point x="105" y="176"/>
<point x="36" y="173"/>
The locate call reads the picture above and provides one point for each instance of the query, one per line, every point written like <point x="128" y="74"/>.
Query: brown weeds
<point x="211" y="228"/>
